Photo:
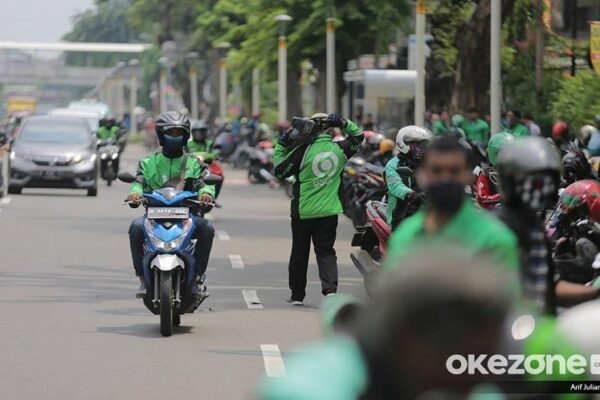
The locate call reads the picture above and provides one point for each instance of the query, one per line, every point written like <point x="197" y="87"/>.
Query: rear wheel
<point x="166" y="304"/>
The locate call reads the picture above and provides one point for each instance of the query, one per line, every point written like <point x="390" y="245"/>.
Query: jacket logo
<point x="325" y="164"/>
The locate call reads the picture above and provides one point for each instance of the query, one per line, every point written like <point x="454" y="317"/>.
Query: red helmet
<point x="579" y="193"/>
<point x="560" y="130"/>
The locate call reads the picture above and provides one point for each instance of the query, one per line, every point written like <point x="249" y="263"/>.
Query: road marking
<point x="208" y="217"/>
<point x="252" y="300"/>
<point x="224" y="236"/>
<point x="236" y="261"/>
<point x="274" y="365"/>
<point x="5" y="200"/>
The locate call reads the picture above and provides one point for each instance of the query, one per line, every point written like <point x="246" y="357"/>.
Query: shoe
<point x="296" y="303"/>
<point x="141" y="292"/>
<point x="330" y="294"/>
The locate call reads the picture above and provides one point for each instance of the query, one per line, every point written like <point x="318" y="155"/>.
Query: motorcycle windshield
<point x="169" y="197"/>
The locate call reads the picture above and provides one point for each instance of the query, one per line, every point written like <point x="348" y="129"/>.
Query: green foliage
<point x="106" y="23"/>
<point x="577" y="101"/>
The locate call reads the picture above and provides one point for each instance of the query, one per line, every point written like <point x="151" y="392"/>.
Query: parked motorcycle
<point x="169" y="271"/>
<point x="260" y="168"/>
<point x="361" y="182"/>
<point x="109" y="154"/>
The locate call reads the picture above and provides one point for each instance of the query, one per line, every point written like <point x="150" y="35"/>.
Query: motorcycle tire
<point x="166" y="303"/>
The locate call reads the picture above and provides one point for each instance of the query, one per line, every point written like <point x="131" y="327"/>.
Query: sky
<point x="38" y="20"/>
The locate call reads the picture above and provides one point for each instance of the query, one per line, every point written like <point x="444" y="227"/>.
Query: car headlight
<point x="12" y="155"/>
<point x="77" y="158"/>
<point x="21" y="156"/>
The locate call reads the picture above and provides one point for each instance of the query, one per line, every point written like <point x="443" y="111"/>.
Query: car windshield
<point x="58" y="132"/>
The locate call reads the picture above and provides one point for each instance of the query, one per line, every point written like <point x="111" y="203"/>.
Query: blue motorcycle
<point x="169" y="272"/>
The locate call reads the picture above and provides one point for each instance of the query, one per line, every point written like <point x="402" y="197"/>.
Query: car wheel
<point x="14" y="189"/>
<point x="93" y="192"/>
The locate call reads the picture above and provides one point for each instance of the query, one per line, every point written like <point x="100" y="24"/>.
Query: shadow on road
<point x="143" y="330"/>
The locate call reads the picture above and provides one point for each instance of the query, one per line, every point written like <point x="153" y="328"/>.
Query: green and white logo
<point x="325" y="164"/>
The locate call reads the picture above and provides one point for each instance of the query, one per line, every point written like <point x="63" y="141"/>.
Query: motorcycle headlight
<point x="103" y="156"/>
<point x="115" y="156"/>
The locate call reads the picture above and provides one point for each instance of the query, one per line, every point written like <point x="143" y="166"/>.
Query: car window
<point x="58" y="132"/>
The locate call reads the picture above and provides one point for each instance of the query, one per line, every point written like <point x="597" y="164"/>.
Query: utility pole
<point x="420" y="21"/>
<point x="495" y="77"/>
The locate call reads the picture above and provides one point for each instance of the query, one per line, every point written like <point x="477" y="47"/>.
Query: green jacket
<point x="200" y="147"/>
<point x="318" y="171"/>
<point x="472" y="229"/>
<point x="396" y="187"/>
<point x="105" y="134"/>
<point x="157" y="169"/>
<point x="518" y="130"/>
<point x="331" y="370"/>
<point x="439" y="128"/>
<point x="477" y="131"/>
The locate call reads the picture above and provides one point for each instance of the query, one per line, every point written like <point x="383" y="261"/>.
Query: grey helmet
<point x="171" y="120"/>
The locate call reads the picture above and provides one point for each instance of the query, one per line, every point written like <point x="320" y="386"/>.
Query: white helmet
<point x="585" y="133"/>
<point x="411" y="134"/>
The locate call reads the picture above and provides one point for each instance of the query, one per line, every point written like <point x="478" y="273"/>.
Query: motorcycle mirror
<point x="212" y="179"/>
<point x="126" y="177"/>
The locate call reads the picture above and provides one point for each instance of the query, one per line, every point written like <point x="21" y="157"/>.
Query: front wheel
<point x="166" y="303"/>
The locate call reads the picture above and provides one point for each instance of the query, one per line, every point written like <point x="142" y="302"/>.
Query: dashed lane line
<point x="224" y="236"/>
<point x="252" y="300"/>
<point x="274" y="366"/>
<point x="236" y="261"/>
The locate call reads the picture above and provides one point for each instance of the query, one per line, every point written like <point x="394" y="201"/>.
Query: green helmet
<point x="495" y="145"/>
<point x="458" y="120"/>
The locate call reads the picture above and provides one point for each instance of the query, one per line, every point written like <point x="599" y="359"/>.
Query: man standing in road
<point x="317" y="164"/>
<point x="476" y="129"/>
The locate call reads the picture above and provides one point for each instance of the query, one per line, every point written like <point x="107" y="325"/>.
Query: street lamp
<point x="133" y="65"/>
<point x="283" y="20"/>
<point x="192" y="58"/>
<point x="222" y="50"/>
<point x="330" y="69"/>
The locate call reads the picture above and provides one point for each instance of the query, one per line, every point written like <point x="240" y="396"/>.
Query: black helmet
<point x="522" y="160"/>
<point x="576" y="167"/>
<point x="172" y="120"/>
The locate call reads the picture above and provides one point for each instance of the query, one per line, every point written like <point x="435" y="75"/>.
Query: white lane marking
<point x="224" y="236"/>
<point x="236" y="261"/>
<point x="5" y="200"/>
<point x="208" y="217"/>
<point x="274" y="365"/>
<point x="252" y="300"/>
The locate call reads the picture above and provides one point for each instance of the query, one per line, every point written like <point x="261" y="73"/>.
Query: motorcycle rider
<point x="317" y="164"/>
<point x="529" y="171"/>
<point x="199" y="142"/>
<point x="386" y="152"/>
<point x="576" y="167"/>
<point x="561" y="136"/>
<point x="476" y="129"/>
<point x="163" y="168"/>
<point x="448" y="217"/>
<point x="487" y="186"/>
<point x="410" y="143"/>
<point x="108" y="129"/>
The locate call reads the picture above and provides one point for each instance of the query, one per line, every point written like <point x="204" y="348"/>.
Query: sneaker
<point x="141" y="292"/>
<point x="330" y="294"/>
<point x="296" y="303"/>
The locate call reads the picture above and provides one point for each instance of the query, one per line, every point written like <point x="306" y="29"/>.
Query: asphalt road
<point x="70" y="327"/>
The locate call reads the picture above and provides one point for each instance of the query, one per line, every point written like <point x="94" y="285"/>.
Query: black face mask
<point x="446" y="197"/>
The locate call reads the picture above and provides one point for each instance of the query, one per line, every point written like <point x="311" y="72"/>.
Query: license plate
<point x="168" y="213"/>
<point x="51" y="175"/>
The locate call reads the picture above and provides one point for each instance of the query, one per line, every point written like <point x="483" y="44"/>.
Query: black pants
<point x="322" y="231"/>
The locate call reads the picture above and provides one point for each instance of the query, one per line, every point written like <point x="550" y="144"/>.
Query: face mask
<point x="537" y="191"/>
<point x="199" y="136"/>
<point x="173" y="146"/>
<point x="446" y="197"/>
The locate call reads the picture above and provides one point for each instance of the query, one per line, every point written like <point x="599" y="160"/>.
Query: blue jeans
<point x="204" y="234"/>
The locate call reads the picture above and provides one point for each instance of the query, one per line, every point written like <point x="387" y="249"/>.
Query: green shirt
<point x="157" y="169"/>
<point x="206" y="146"/>
<point x="472" y="229"/>
<point x="439" y="127"/>
<point x="477" y="131"/>
<point x="518" y="130"/>
<point x="396" y="187"/>
<point x="105" y="134"/>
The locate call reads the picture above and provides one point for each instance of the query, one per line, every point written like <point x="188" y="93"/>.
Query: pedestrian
<point x="317" y="166"/>
<point x="449" y="217"/>
<point x="513" y="124"/>
<point x="442" y="125"/>
<point x="476" y="129"/>
<point x="530" y="124"/>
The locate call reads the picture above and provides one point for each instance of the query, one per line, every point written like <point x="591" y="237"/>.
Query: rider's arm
<point x="194" y="172"/>
<point x="395" y="184"/>
<point x="136" y="187"/>
<point x="288" y="162"/>
<point x="355" y="137"/>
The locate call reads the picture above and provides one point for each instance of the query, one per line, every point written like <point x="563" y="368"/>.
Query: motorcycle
<point x="260" y="169"/>
<point x="109" y="154"/>
<point x="214" y="168"/>
<point x="169" y="271"/>
<point x="361" y="182"/>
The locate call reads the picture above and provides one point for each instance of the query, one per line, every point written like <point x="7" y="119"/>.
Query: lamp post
<point x="420" y="21"/>
<point x="255" y="91"/>
<point x="330" y="55"/>
<point x="133" y="65"/>
<point x="192" y="58"/>
<point x="495" y="83"/>
<point x="283" y="20"/>
<point x="223" y="49"/>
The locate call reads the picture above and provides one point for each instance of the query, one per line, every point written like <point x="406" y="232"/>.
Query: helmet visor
<point x="175" y="132"/>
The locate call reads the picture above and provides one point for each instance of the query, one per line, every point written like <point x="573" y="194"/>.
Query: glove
<point x="335" y="121"/>
<point x="285" y="137"/>
<point x="414" y="199"/>
<point x="135" y="199"/>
